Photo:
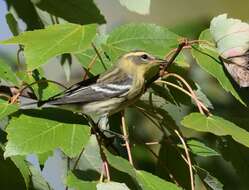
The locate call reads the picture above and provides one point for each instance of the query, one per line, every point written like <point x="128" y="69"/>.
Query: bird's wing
<point x="95" y="92"/>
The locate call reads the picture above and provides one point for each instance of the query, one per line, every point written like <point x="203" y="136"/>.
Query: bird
<point x="108" y="93"/>
<point x="112" y="91"/>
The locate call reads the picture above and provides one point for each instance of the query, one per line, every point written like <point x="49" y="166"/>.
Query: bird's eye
<point x="144" y="56"/>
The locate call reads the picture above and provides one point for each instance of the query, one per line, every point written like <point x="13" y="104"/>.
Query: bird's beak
<point x="163" y="63"/>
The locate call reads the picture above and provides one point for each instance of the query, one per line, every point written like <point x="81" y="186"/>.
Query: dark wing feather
<point x="99" y="91"/>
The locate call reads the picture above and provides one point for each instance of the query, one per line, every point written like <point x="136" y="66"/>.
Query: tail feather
<point x="29" y="103"/>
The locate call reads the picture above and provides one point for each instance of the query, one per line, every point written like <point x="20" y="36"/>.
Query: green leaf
<point x="200" y="149"/>
<point x="11" y="176"/>
<point x="7" y="74"/>
<point x="22" y="165"/>
<point x="238" y="156"/>
<point x="74" y="182"/>
<point x="152" y="182"/>
<point x="112" y="186"/>
<point x="170" y="162"/>
<point x="27" y="12"/>
<point x="217" y="126"/>
<point x="6" y="108"/>
<point x="210" y="180"/>
<point x="12" y="23"/>
<point x="66" y="62"/>
<point x="41" y="45"/>
<point x="139" y="6"/>
<point x="145" y="180"/>
<point x="38" y="181"/>
<point x="202" y="97"/>
<point x="149" y="37"/>
<point x="208" y="61"/>
<point x="120" y="164"/>
<point x="33" y="134"/>
<point x="91" y="158"/>
<point x="77" y="11"/>
<point x="42" y="158"/>
<point x="89" y="56"/>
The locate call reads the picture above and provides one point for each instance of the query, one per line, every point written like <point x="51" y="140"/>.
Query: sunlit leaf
<point x="216" y="125"/>
<point x="7" y="74"/>
<point x="91" y="61"/>
<point x="138" y="6"/>
<point x="31" y="134"/>
<point x="7" y="108"/>
<point x="155" y="39"/>
<point x="77" y="184"/>
<point x="41" y="45"/>
<point x="42" y="158"/>
<point x="112" y="186"/>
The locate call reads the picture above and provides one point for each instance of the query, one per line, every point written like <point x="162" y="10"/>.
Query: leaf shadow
<point x="55" y="114"/>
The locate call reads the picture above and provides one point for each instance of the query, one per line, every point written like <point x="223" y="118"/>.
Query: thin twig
<point x="107" y="171"/>
<point x="90" y="65"/>
<point x="99" y="56"/>
<point x="152" y="143"/>
<point x="188" y="159"/>
<point x="5" y="96"/>
<point x="184" y="91"/>
<point x="126" y="139"/>
<point x="102" y="173"/>
<point x="191" y="42"/>
<point x="188" y="87"/>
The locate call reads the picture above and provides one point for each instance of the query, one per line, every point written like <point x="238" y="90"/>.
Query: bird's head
<point x="140" y="64"/>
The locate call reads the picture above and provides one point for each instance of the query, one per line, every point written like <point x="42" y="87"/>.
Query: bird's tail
<point x="27" y="99"/>
<point x="27" y="103"/>
<point x="30" y="103"/>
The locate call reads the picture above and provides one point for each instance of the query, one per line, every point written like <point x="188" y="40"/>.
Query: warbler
<point x="113" y="90"/>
